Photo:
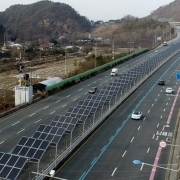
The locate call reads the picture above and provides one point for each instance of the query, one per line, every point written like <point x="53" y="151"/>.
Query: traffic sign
<point x="163" y="144"/>
<point x="178" y="75"/>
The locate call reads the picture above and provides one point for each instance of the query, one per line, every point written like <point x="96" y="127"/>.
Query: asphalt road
<point x="110" y="152"/>
<point x="26" y="121"/>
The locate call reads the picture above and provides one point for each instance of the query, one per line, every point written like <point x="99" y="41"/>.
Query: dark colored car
<point x="161" y="82"/>
<point x="93" y="90"/>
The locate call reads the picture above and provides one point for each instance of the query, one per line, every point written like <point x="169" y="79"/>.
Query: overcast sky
<point x="103" y="9"/>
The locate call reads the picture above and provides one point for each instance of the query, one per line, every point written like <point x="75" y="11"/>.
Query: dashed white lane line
<point x="157" y="125"/>
<point x="32" y="114"/>
<point x="161" y="117"/>
<point x="15" y="123"/>
<point x="57" y="101"/>
<point x="148" y="111"/>
<point x="75" y="99"/>
<point x="164" y="109"/>
<point x="38" y="120"/>
<point x="124" y="153"/>
<point x="67" y="96"/>
<point x="139" y="128"/>
<point x="158" y="94"/>
<point x="152" y="105"/>
<point x="1" y="142"/>
<point x="20" y="131"/>
<point x="46" y="107"/>
<point x="148" y="150"/>
<point x="156" y="99"/>
<point x="64" y="105"/>
<point x="114" y="171"/>
<point x="166" y="103"/>
<point x="153" y="136"/>
<point x="52" y="112"/>
<point x="80" y="89"/>
<point x="132" y="139"/>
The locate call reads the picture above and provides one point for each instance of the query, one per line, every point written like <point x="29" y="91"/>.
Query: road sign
<point x="178" y="75"/>
<point x="163" y="144"/>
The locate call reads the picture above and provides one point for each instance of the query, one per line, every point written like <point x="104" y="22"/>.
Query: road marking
<point x="156" y="99"/>
<point x="32" y="115"/>
<point x="153" y="136"/>
<point x="1" y="142"/>
<point x="148" y="111"/>
<point x="52" y="112"/>
<point x="114" y="171"/>
<point x="148" y="150"/>
<point x="139" y="128"/>
<point x="141" y="167"/>
<point x="46" y="107"/>
<point x="152" y="105"/>
<point x="103" y="148"/>
<point x="20" y="131"/>
<point x="164" y="109"/>
<point x="132" y="139"/>
<point x="57" y="101"/>
<point x="124" y="153"/>
<point x="158" y="94"/>
<point x="157" y="125"/>
<point x="15" y="123"/>
<point x="67" y="96"/>
<point x="64" y="105"/>
<point x="80" y="89"/>
<point x="144" y="118"/>
<point x="38" y="120"/>
<point x="95" y="159"/>
<point x="75" y="99"/>
<point x="166" y="103"/>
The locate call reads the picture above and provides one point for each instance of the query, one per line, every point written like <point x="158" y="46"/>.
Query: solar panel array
<point x="31" y="148"/>
<point x="35" y="147"/>
<point x="11" y="165"/>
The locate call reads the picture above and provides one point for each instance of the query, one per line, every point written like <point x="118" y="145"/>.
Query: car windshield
<point x="137" y="113"/>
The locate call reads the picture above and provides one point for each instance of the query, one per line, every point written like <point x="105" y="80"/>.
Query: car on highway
<point x="169" y="90"/>
<point x="93" y="90"/>
<point x="161" y="82"/>
<point x="136" y="115"/>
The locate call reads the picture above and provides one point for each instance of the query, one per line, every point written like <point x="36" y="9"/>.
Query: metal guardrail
<point x="53" y="164"/>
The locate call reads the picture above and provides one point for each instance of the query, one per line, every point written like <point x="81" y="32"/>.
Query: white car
<point x="136" y="115"/>
<point x="156" y="51"/>
<point x="169" y="90"/>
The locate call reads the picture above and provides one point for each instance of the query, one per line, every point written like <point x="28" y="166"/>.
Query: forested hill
<point x="168" y="12"/>
<point x="43" y="19"/>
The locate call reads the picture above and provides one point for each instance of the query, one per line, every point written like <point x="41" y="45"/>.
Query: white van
<point x="114" y="72"/>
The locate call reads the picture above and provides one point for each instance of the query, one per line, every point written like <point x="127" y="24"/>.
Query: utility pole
<point x="113" y="49"/>
<point x="65" y="61"/>
<point x="95" y="54"/>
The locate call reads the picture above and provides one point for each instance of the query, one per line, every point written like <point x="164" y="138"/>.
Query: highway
<point x="110" y="152"/>
<point x="26" y="121"/>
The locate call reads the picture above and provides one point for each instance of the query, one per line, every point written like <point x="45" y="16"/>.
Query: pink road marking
<point x="160" y="149"/>
<point x="172" y="108"/>
<point x="155" y="163"/>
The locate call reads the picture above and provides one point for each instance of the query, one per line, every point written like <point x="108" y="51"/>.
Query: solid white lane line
<point x="114" y="171"/>
<point x="20" y="131"/>
<point x="132" y="139"/>
<point x="124" y="153"/>
<point x="32" y="115"/>
<point x="38" y="120"/>
<point x="15" y="123"/>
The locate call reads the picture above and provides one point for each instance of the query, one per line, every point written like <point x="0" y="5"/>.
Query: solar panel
<point x="49" y="133"/>
<point x="11" y="166"/>
<point x="66" y="122"/>
<point x="29" y="147"/>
